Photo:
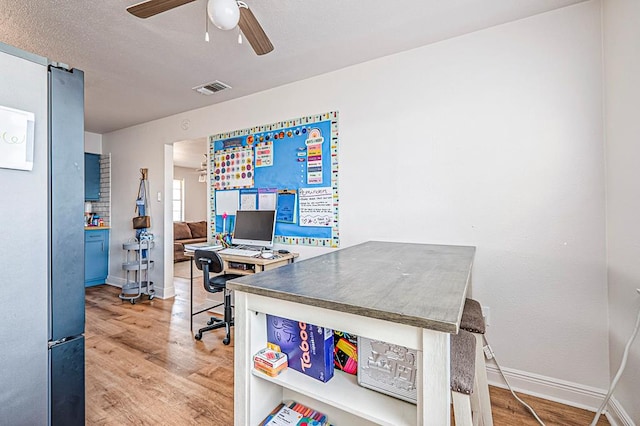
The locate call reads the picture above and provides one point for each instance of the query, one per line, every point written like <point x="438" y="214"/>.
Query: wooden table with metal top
<point x="255" y="265"/>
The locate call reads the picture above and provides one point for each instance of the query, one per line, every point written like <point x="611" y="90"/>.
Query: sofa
<point x="187" y="233"/>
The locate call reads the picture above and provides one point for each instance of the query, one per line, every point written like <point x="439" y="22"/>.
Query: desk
<point x="258" y="265"/>
<point x="407" y="294"/>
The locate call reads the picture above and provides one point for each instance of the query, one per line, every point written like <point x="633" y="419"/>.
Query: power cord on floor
<point x="620" y="370"/>
<point x="490" y="355"/>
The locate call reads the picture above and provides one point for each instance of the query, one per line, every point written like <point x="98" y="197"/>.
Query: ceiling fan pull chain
<point x="206" y="25"/>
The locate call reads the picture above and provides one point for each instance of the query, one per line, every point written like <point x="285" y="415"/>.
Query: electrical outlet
<point x="485" y="315"/>
<point x="488" y="353"/>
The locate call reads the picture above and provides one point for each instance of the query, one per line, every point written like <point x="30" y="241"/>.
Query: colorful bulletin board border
<point x="262" y="141"/>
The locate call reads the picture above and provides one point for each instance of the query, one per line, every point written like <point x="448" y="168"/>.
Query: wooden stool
<point x="473" y="322"/>
<point x="463" y="350"/>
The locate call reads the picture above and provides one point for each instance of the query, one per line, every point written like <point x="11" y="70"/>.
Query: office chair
<point x="210" y="262"/>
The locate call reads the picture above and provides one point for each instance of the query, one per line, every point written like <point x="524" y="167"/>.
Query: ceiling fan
<point x="225" y="14"/>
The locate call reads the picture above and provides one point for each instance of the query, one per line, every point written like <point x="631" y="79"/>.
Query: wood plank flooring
<point x="143" y="367"/>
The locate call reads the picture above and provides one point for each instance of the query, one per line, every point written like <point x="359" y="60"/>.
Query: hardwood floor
<point x="143" y="367"/>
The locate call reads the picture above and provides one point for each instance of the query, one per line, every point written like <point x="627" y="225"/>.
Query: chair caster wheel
<point x="226" y="340"/>
<point x="151" y="296"/>
<point x="198" y="336"/>
<point x="133" y="302"/>
<point x="211" y="321"/>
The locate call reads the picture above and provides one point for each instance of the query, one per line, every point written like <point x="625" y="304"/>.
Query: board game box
<point x="309" y="348"/>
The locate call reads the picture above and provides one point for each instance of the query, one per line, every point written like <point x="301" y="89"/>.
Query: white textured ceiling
<point x="139" y="70"/>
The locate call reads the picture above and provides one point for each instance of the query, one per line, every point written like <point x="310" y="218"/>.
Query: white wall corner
<point x="168" y="289"/>
<point x="568" y="393"/>
<point x="617" y="415"/>
<point x="115" y="281"/>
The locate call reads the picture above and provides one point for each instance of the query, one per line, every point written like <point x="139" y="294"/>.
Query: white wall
<point x="92" y="143"/>
<point x="492" y="139"/>
<point x="195" y="194"/>
<point x="622" y="70"/>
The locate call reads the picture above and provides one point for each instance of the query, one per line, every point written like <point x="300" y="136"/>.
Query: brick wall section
<point x="103" y="207"/>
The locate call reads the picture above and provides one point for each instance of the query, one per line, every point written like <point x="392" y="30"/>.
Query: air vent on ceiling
<point x="211" y="88"/>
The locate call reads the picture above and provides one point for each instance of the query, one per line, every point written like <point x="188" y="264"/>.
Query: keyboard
<point x="239" y="252"/>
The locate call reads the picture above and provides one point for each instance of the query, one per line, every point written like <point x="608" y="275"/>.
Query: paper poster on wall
<point x="248" y="199"/>
<point x="227" y="202"/>
<point x="233" y="168"/>
<point x="267" y="198"/>
<point x="286" y="206"/>
<point x="316" y="206"/>
<point x="264" y="154"/>
<point x="16" y="139"/>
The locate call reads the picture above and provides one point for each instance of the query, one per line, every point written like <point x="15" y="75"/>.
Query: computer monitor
<point x="254" y="228"/>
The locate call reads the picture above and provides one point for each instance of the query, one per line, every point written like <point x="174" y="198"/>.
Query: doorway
<point x="189" y="208"/>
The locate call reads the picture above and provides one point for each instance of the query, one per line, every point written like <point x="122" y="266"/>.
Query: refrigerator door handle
<point x="52" y="343"/>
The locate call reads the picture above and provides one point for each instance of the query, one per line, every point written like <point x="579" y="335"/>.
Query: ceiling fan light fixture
<point x="225" y="14"/>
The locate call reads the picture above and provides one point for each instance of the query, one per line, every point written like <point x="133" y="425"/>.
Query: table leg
<point x="436" y="387"/>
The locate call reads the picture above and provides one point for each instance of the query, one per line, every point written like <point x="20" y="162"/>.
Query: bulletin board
<point x="290" y="166"/>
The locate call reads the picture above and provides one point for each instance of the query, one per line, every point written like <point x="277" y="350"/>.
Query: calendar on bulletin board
<point x="291" y="167"/>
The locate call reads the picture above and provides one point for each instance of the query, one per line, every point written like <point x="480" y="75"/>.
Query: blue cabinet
<point x="96" y="256"/>
<point x="91" y="177"/>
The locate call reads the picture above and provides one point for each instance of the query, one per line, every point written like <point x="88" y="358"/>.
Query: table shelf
<point x="344" y="393"/>
<point x="341" y="398"/>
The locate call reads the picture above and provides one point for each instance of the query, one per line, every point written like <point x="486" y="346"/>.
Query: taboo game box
<point x="309" y="347"/>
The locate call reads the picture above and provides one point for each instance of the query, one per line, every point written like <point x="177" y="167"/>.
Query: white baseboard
<point x="616" y="414"/>
<point x="564" y="392"/>
<point x="115" y="281"/>
<point x="557" y="390"/>
<point x="161" y="293"/>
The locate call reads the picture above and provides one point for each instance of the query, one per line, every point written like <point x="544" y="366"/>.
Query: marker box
<point x="345" y="353"/>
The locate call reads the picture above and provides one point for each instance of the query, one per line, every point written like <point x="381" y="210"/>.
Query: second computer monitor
<point x="254" y="228"/>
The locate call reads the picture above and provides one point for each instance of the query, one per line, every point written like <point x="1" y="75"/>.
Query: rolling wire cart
<point x="137" y="267"/>
<point x="138" y="258"/>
